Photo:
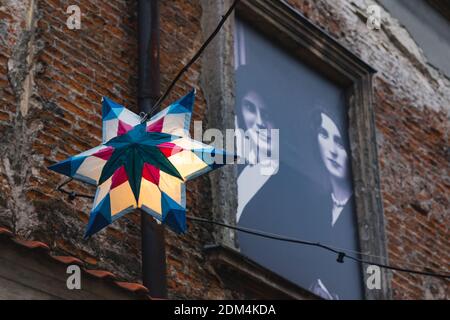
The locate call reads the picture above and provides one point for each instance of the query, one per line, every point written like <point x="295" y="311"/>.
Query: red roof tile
<point x="68" y="260"/>
<point x="135" y="288"/>
<point x="6" y="232"/>
<point x="101" y="274"/>
<point x="32" y="244"/>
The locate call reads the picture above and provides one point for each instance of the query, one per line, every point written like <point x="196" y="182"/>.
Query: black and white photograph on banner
<point x="309" y="196"/>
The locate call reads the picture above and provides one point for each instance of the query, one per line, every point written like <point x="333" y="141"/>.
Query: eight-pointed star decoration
<point x="143" y="165"/>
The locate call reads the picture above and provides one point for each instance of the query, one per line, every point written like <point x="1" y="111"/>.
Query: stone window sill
<point x="240" y="270"/>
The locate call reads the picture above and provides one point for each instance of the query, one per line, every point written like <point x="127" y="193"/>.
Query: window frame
<point x="289" y="29"/>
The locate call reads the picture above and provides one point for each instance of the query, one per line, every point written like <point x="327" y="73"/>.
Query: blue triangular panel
<point x="176" y="220"/>
<point x="173" y="214"/>
<point x="110" y="109"/>
<point x="177" y="108"/>
<point x="185" y="104"/>
<point x="68" y="167"/>
<point x="188" y="100"/>
<point x="99" y="218"/>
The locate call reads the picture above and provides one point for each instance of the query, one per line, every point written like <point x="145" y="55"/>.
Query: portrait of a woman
<point x="336" y="219"/>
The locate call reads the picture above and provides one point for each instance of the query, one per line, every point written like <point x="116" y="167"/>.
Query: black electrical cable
<point x="341" y="254"/>
<point x="72" y="195"/>
<point x="191" y="62"/>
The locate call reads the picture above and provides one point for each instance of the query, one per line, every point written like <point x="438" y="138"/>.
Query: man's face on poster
<point x="332" y="150"/>
<point x="256" y="118"/>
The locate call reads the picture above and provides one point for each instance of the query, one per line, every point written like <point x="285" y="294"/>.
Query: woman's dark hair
<point x="339" y="117"/>
<point x="251" y="78"/>
<point x="336" y="114"/>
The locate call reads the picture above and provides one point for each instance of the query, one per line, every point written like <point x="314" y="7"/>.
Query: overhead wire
<point x="342" y="253"/>
<point x="191" y="62"/>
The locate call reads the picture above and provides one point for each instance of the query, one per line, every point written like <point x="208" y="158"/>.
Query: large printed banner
<point x="310" y="194"/>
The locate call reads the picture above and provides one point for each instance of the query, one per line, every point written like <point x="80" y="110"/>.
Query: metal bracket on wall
<point x="72" y="194"/>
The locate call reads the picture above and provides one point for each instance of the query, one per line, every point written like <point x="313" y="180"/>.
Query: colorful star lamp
<point x="143" y="165"/>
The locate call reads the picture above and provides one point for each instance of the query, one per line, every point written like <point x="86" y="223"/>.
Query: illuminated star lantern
<point x="143" y="165"/>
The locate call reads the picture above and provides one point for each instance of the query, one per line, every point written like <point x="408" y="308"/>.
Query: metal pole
<point x="152" y="234"/>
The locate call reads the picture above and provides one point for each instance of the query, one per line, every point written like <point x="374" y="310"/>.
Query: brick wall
<point x="51" y="83"/>
<point x="69" y="72"/>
